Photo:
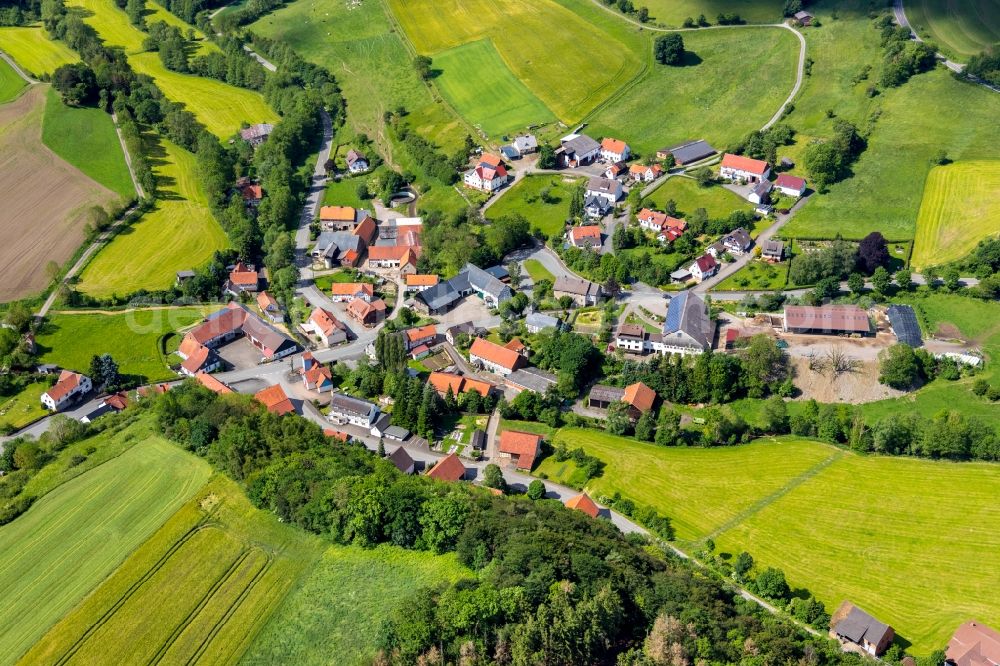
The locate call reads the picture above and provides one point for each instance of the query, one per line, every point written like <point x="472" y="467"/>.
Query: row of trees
<point x="552" y="585"/>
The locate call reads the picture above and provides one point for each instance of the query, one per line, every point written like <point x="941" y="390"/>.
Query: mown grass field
<point x="10" y="83"/>
<point x="689" y="197"/>
<point x="536" y="271"/>
<point x="85" y="137"/>
<point x="34" y="51"/>
<point x="179" y="233"/>
<point x="340" y="604"/>
<point x="477" y="82"/>
<point x="524" y="199"/>
<point x="887" y="187"/>
<point x="23" y="407"/>
<point x="961" y="28"/>
<point x="756" y="275"/>
<point x="914" y="542"/>
<point x="71" y="539"/>
<point x="593" y="60"/>
<point x="960" y="207"/>
<point x="70" y="340"/>
<point x="669" y="105"/>
<point x="220" y="107"/>
<point x="198" y="590"/>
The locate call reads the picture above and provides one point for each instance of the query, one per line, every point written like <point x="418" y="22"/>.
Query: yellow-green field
<point x="915" y="542"/>
<point x="198" y="590"/>
<point x="34" y="51"/>
<point x="961" y="206"/>
<point x="220" y="107"/>
<point x="962" y="28"/>
<point x="72" y="538"/>
<point x="583" y="63"/>
<point x="180" y="233"/>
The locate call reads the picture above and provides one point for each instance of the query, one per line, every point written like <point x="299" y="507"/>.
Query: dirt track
<point x="43" y="202"/>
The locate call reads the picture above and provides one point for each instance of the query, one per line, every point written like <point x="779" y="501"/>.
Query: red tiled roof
<point x="418" y="280"/>
<point x="387" y="252"/>
<point x="515" y="345"/>
<point x="449" y="468"/>
<point x="524" y="445"/>
<point x="325" y="320"/>
<point x="833" y="318"/>
<point x="265" y="302"/>
<point x="117" y="402"/>
<point x="337" y="213"/>
<point x="351" y="288"/>
<point x="360" y="309"/>
<point x="243" y="274"/>
<point x="68" y="381"/>
<point x="317" y="373"/>
<point x="747" y="164"/>
<point x="974" y="644"/>
<point x="155" y="389"/>
<point x="212" y="384"/>
<point x="441" y="381"/>
<point x="336" y="434"/>
<point x="414" y="334"/>
<point x="582" y="502"/>
<point x="366" y="230"/>
<point x="275" y="400"/>
<point x="197" y="360"/>
<point x="706" y="262"/>
<point x="585" y="232"/>
<point x="789" y="181"/>
<point x="614" y="145"/>
<point x="494" y="353"/>
<point x="251" y="192"/>
<point x="640" y="396"/>
<point x="231" y="318"/>
<point x="491" y="159"/>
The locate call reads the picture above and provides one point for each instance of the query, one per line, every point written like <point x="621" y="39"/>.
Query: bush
<point x="669" y="49"/>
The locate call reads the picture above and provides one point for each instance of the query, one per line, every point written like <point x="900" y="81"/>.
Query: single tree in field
<point x="669" y="49"/>
<point x="873" y="251"/>
<point x="743" y="564"/>
<point x="423" y="66"/>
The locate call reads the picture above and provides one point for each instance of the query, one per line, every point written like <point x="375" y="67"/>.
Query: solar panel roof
<point x="904" y="324"/>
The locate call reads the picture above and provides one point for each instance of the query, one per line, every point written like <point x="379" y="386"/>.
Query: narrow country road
<point x="17" y="68"/>
<point x="128" y="158"/>
<point x="259" y="58"/>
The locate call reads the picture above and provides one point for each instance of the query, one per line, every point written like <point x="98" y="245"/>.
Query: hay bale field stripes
<point x="960" y="207"/>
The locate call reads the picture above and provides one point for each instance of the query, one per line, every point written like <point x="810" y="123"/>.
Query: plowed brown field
<point x="43" y="200"/>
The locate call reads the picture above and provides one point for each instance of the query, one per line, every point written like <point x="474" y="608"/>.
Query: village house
<point x="737" y="241"/>
<point x="687" y="153"/>
<point x="489" y="175"/>
<point x="197" y="358"/>
<point x="343" y="292"/>
<point x="423" y="335"/>
<point x="270" y="308"/>
<point x="70" y="386"/>
<point x="515" y="345"/>
<point x="350" y="410"/>
<point x="401" y="257"/>
<point x="645" y="173"/>
<point x="583" y="292"/>
<point x="584" y="236"/>
<point x="251" y="193"/>
<point x="494" y="358"/>
<point x="338" y="248"/>
<point x="442" y="381"/>
<point x="661" y="223"/>
<point x="225" y="326"/>
<point x="760" y="192"/>
<point x="537" y="321"/>
<point x="639" y="398"/>
<point x="576" y="150"/>
<point x="772" y="251"/>
<point x="582" y="502"/>
<point x="686" y="330"/>
<point x="973" y="644"/>
<point x="597" y="207"/>
<point x="415" y="282"/>
<point x="212" y="384"/>
<point x="531" y="379"/>
<point x="804" y="18"/>
<point x="356" y="162"/>
<point x="397" y="434"/>
<point x="521" y="447"/>
<point x="452" y="333"/>
<point x="343" y="218"/>
<point x="472" y="279"/>
<point x="256" y="134"/>
<point x="275" y="400"/>
<point x="860" y="632"/>
<point x="704" y="267"/>
<point x="747" y="169"/>
<point x="449" y="468"/>
<point x="616" y="171"/>
<point x="368" y="313"/>
<point x="402" y="460"/>
<point x="243" y="278"/>
<point x="525" y="144"/>
<point x="324" y="325"/>
<point x="826" y="320"/>
<point x="603" y="188"/>
<point x="315" y="375"/>
<point x="614" y="150"/>
<point x="789" y="185"/>
<point x="438" y="299"/>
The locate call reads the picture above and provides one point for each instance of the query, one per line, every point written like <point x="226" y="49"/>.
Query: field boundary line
<point x="128" y="157"/>
<point x="233" y="607"/>
<point x="767" y="500"/>
<point x="132" y="589"/>
<point x="200" y="606"/>
<point x="17" y="68"/>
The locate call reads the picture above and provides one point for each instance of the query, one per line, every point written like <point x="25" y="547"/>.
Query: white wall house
<point x="614" y="150"/>
<point x="737" y="167"/>
<point x="70" y="386"/>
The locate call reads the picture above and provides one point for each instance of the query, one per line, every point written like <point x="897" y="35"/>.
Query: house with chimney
<point x="68" y="388"/>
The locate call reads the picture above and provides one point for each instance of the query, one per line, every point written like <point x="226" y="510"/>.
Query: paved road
<point x="545" y="256"/>
<point x="17" y="68"/>
<point x="128" y="158"/>
<point x="256" y="56"/>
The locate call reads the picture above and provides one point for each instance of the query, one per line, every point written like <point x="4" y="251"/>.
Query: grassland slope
<point x="34" y="51"/>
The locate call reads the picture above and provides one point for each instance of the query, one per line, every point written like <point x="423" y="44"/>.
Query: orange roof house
<point x="616" y="147"/>
<point x="420" y="280"/>
<point x="366" y="230"/>
<point x="588" y="235"/>
<point x="449" y="468"/>
<point x="275" y="400"/>
<point x="420" y="335"/>
<point x="201" y="359"/>
<point x="640" y="397"/>
<point x="491" y="159"/>
<point x="348" y="290"/>
<point x="582" y="502"/>
<point x="523" y="447"/>
<point x="442" y="381"/>
<point x="495" y="358"/>
<point x="337" y="214"/>
<point x="515" y="345"/>
<point x="242" y="278"/>
<point x="367" y="313"/>
<point x="212" y="384"/>
<point x="251" y="192"/>
<point x="738" y="166"/>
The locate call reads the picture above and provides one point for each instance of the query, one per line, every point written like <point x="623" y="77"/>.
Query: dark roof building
<point x="531" y="379"/>
<point x="904" y="325"/>
<point x="851" y="625"/>
<point x="439" y="298"/>
<point x="402" y="460"/>
<point x="687" y="326"/>
<point x="686" y="153"/>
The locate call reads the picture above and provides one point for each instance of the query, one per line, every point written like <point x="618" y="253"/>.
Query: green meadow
<point x="34" y="51"/>
<point x="689" y="197"/>
<point x="960" y="28"/>
<point x="11" y="84"/>
<point x="525" y="199"/>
